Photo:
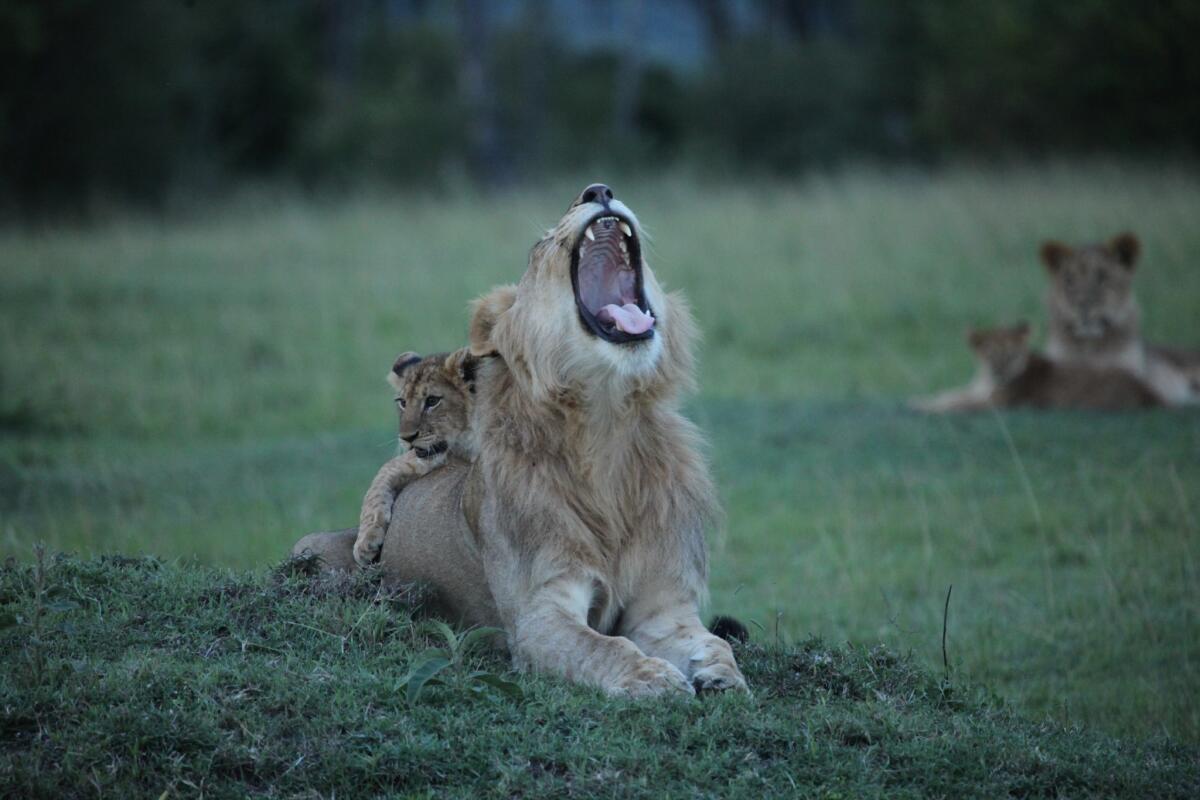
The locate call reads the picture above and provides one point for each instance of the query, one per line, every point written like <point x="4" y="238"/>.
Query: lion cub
<point x="433" y="399"/>
<point x="1095" y="319"/>
<point x="1011" y="375"/>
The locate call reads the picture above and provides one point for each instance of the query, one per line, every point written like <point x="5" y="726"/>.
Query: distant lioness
<point x="579" y="529"/>
<point x="433" y="402"/>
<point x="1011" y="375"/>
<point x="1095" y="319"/>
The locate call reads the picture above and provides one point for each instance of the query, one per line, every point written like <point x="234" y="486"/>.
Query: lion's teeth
<point x="590" y="235"/>
<point x="628" y="231"/>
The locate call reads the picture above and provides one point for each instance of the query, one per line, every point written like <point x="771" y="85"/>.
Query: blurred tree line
<point x="134" y="100"/>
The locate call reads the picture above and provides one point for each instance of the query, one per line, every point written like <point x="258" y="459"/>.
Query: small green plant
<point x="42" y="600"/>
<point x="436" y="660"/>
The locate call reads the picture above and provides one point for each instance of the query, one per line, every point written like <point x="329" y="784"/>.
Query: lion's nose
<point x="596" y="193"/>
<point x="409" y="437"/>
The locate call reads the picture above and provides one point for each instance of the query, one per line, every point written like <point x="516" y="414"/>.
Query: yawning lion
<point x="579" y="528"/>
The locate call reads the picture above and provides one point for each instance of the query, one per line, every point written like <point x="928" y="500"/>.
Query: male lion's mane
<point x="610" y="462"/>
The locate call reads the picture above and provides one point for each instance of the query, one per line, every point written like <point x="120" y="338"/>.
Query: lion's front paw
<point x="719" y="677"/>
<point x="367" y="547"/>
<point x="651" y="677"/>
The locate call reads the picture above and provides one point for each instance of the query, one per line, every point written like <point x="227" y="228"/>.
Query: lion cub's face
<point x="1091" y="287"/>
<point x="433" y="399"/>
<point x="1002" y="353"/>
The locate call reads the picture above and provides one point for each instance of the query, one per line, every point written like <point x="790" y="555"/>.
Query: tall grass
<point x="212" y="388"/>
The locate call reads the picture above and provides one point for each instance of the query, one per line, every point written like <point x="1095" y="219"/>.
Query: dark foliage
<point x="135" y="100"/>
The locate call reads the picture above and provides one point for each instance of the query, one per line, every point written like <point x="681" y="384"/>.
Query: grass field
<point x="127" y="678"/>
<point x="212" y="389"/>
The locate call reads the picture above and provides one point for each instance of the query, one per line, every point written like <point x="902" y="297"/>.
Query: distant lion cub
<point x="1011" y="375"/>
<point x="433" y="399"/>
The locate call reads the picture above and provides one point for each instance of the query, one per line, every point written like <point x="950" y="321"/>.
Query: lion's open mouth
<point x="606" y="274"/>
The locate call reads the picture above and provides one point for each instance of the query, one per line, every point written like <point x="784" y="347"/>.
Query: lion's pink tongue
<point x="628" y="318"/>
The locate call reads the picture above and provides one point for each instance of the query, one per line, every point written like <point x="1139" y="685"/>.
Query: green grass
<point x="212" y="388"/>
<point x="131" y="678"/>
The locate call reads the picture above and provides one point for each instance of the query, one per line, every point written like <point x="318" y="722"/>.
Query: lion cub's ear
<point x="1127" y="248"/>
<point x="402" y="362"/>
<point x="976" y="338"/>
<point x="484" y="314"/>
<point x="461" y="366"/>
<point x="1054" y="254"/>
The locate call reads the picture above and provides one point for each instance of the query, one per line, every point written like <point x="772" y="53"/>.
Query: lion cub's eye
<point x="432" y="401"/>
<point x="400" y="402"/>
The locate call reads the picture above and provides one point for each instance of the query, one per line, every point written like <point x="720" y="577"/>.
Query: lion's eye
<point x="432" y="401"/>
<point x="400" y="402"/>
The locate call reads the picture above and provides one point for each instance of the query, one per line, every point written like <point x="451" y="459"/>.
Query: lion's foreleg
<point x="671" y="629"/>
<point x="376" y="510"/>
<point x="1176" y="385"/>
<point x="550" y="633"/>
<point x="948" y="402"/>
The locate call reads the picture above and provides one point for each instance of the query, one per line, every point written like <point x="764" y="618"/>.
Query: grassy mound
<point x="135" y="678"/>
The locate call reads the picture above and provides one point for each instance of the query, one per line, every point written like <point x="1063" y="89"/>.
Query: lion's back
<point x="429" y="542"/>
<point x="1046" y="384"/>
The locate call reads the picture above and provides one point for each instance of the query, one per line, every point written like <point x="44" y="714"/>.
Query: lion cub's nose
<point x="409" y="437"/>
<point x="596" y="193"/>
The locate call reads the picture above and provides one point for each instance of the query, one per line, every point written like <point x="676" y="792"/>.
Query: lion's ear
<point x="402" y="362"/>
<point x="485" y="312"/>
<point x="1054" y="254"/>
<point x="1126" y="248"/>
<point x="461" y="367"/>
<point x="975" y="338"/>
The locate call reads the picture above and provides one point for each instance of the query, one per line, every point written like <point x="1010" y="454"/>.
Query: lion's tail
<point x="729" y="629"/>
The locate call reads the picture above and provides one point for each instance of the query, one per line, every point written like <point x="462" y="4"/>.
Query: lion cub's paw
<point x="719" y="677"/>
<point x="367" y="547"/>
<point x="651" y="677"/>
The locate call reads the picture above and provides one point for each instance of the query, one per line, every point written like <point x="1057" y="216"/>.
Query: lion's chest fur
<point x="616" y="483"/>
<point x="620" y="491"/>
<point x="606" y="476"/>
